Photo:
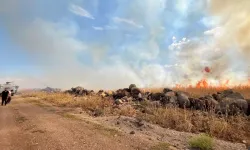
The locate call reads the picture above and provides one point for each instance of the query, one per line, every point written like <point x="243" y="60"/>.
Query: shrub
<point x="202" y="142"/>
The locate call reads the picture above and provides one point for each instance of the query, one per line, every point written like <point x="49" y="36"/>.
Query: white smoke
<point x="53" y="46"/>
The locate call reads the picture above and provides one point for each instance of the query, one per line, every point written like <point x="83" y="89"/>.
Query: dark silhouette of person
<point x="5" y="95"/>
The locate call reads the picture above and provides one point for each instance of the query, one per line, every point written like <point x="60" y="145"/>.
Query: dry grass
<point x="92" y="104"/>
<point x="160" y="146"/>
<point x="234" y="128"/>
<point x="127" y="110"/>
<point x="228" y="128"/>
<point x="197" y="92"/>
<point x="70" y="116"/>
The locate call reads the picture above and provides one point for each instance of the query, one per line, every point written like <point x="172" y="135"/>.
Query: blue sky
<point x="107" y="41"/>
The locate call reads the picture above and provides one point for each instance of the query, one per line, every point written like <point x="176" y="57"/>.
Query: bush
<point x="202" y="142"/>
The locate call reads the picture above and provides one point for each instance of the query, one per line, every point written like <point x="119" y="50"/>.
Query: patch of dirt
<point x="152" y="133"/>
<point x="156" y="133"/>
<point x="72" y="128"/>
<point x="27" y="126"/>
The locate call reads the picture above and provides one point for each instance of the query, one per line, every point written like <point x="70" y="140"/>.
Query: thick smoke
<point x="225" y="48"/>
<point x="54" y="48"/>
<point x="235" y="22"/>
<point x="195" y="55"/>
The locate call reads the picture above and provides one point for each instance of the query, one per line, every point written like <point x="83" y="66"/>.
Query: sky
<point x="109" y="44"/>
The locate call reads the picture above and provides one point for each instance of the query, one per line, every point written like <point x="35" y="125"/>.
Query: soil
<point x="26" y="125"/>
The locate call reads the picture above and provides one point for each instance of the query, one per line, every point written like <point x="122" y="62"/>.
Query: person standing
<point x="9" y="97"/>
<point x="5" y="95"/>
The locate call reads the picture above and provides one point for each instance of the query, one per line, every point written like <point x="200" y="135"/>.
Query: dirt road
<point x="26" y="126"/>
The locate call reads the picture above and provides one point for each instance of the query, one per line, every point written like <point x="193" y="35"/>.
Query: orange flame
<point x="225" y="84"/>
<point x="178" y="86"/>
<point x="202" y="84"/>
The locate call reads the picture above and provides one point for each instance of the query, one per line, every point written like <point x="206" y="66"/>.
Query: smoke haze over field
<point x="111" y="44"/>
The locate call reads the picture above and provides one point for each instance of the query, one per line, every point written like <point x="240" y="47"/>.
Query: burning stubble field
<point x="195" y="109"/>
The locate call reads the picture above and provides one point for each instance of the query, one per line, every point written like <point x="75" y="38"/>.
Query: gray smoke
<point x="54" y="48"/>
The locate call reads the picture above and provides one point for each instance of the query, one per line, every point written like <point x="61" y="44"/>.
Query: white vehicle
<point x="10" y="86"/>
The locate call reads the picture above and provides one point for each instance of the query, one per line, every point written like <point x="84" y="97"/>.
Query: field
<point x="231" y="128"/>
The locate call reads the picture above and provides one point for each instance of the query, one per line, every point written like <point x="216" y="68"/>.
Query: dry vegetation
<point x="91" y="104"/>
<point x="231" y="128"/>
<point x="160" y="146"/>
<point x="197" y="92"/>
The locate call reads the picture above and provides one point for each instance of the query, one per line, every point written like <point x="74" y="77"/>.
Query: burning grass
<point x="231" y="128"/>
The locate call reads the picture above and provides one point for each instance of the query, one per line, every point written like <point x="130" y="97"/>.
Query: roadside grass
<point x="160" y="146"/>
<point x="94" y="105"/>
<point x="70" y="116"/>
<point x="202" y="142"/>
<point x="127" y="110"/>
<point x="37" y="102"/>
<point x="20" y="119"/>
<point x="110" y="132"/>
<point x="230" y="128"/>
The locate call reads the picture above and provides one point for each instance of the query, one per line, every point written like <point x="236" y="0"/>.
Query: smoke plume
<point x="235" y="22"/>
<point x="54" y="47"/>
